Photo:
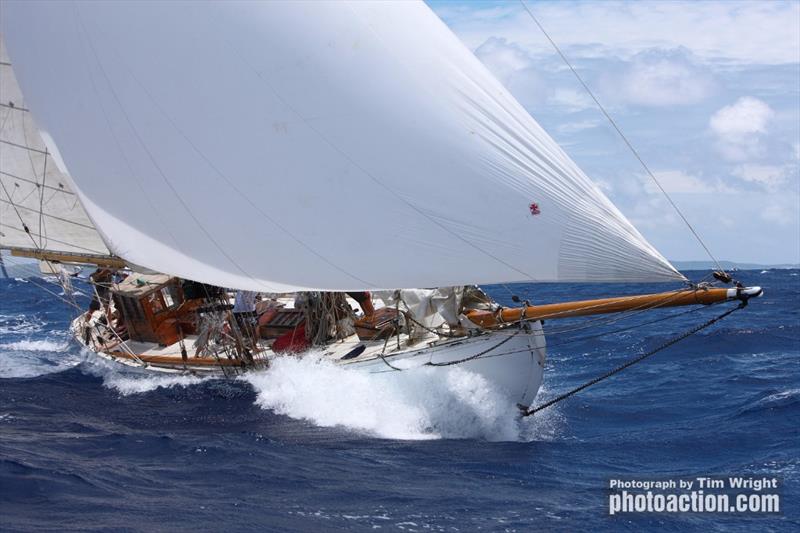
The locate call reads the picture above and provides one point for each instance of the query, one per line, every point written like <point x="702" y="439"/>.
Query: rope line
<point x="617" y="370"/>
<point x="622" y="135"/>
<point x="479" y="354"/>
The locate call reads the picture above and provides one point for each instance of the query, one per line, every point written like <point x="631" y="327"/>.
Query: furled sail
<point x="34" y="193"/>
<point x="317" y="145"/>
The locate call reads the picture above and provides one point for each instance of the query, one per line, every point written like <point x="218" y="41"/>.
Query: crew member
<point x="244" y="313"/>
<point x="364" y="300"/>
<point x="102" y="278"/>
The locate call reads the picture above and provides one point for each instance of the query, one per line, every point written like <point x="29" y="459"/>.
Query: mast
<point x="694" y="296"/>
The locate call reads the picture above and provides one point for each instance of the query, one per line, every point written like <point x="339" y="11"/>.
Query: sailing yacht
<point x="302" y="150"/>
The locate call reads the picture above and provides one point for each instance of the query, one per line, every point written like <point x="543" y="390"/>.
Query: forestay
<point x="325" y="145"/>
<point x="34" y="193"/>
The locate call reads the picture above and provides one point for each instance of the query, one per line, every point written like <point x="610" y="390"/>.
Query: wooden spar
<point x="701" y="296"/>
<point x="67" y="257"/>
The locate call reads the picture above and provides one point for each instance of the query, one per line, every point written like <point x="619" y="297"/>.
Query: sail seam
<point x="96" y="252"/>
<point x="28" y="148"/>
<point x="15" y="108"/>
<point x="34" y="182"/>
<point x="45" y="214"/>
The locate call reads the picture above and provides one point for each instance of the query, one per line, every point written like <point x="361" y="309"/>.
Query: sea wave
<point x="775" y="400"/>
<point x="29" y="358"/>
<point x="128" y="380"/>
<point x="36" y="346"/>
<point x="19" y="324"/>
<point x="425" y="403"/>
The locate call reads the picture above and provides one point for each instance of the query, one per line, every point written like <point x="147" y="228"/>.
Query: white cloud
<point x="653" y="212"/>
<point x="504" y="59"/>
<point x="739" y="128"/>
<point x="604" y="186"/>
<point x="575" y="127"/>
<point x="778" y="214"/>
<point x="748" y="115"/>
<point x="729" y="164"/>
<point x="571" y="100"/>
<point x="664" y="78"/>
<point x="514" y="68"/>
<point x="727" y="222"/>
<point x="738" y="32"/>
<point x="768" y="176"/>
<point x="677" y="181"/>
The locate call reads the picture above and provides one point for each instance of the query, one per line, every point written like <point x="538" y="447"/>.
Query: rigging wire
<point x="622" y="135"/>
<point x="530" y="411"/>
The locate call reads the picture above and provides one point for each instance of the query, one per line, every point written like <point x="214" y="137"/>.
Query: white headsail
<point x="325" y="145"/>
<point x="34" y="193"/>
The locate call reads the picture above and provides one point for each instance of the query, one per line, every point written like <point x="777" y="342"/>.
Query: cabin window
<point x="171" y="296"/>
<point x="168" y="300"/>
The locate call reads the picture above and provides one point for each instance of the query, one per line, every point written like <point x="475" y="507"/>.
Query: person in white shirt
<point x="244" y="314"/>
<point x="245" y="302"/>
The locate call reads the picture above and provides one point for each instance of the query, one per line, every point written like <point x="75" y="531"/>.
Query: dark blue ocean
<point x="87" y="446"/>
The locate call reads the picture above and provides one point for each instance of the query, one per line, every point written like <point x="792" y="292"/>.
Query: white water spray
<point x="424" y="403"/>
<point x="31" y="358"/>
<point x="129" y="380"/>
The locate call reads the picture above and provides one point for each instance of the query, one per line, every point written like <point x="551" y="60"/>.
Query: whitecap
<point x="19" y="324"/>
<point x="424" y="403"/>
<point x="42" y="345"/>
<point x="129" y="380"/>
<point x="29" y="358"/>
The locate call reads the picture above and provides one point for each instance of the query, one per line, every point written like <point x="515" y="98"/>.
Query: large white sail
<point x="34" y="193"/>
<point x="326" y="145"/>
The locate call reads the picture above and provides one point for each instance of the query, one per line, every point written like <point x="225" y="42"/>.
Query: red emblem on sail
<point x="534" y="207"/>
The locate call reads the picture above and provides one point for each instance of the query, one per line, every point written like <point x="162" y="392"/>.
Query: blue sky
<point x="708" y="93"/>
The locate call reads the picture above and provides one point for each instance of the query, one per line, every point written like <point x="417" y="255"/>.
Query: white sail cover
<point x="310" y="145"/>
<point x="34" y="193"/>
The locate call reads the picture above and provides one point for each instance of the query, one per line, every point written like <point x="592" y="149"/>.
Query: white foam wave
<point x="36" y="357"/>
<point x="36" y="346"/>
<point x="424" y="403"/>
<point x="129" y="380"/>
<point x="18" y="323"/>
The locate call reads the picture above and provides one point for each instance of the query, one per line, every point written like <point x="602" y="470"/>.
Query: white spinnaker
<point x="33" y="191"/>
<point x="327" y="145"/>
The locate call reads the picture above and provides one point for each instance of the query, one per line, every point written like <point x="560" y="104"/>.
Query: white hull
<point x="516" y="367"/>
<point x="511" y="360"/>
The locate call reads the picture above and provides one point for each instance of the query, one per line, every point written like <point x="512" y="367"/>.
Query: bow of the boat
<point x="511" y="360"/>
